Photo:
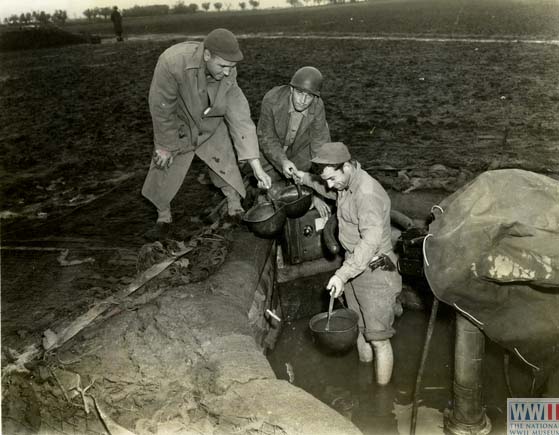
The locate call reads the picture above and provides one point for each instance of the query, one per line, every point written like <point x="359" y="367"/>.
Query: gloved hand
<point x="288" y="168"/>
<point x="163" y="159"/>
<point x="321" y="206"/>
<point x="336" y="286"/>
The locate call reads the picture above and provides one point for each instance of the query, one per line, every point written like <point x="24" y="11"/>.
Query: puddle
<point x="345" y="384"/>
<point x="429" y="420"/>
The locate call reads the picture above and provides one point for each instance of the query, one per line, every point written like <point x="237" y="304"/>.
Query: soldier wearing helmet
<point x="291" y="127"/>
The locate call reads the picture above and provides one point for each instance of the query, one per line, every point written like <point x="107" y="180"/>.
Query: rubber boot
<point x="234" y="207"/>
<point x="164" y="216"/>
<point x="384" y="361"/>
<point x="365" y="350"/>
<point x="162" y="228"/>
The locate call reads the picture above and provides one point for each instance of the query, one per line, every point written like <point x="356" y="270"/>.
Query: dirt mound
<point x="39" y="37"/>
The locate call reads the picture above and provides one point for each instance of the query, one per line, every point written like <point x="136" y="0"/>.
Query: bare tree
<point x="181" y="8"/>
<point x="43" y="17"/>
<point x="218" y="6"/>
<point x="105" y="12"/>
<point x="96" y="13"/>
<point x="60" y="17"/>
<point x="88" y="14"/>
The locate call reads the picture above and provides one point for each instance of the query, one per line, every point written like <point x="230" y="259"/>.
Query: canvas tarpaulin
<point x="493" y="254"/>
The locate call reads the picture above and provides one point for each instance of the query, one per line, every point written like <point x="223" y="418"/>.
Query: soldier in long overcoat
<point x="116" y="18"/>
<point x="197" y="108"/>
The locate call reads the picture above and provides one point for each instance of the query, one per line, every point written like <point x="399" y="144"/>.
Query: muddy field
<point x="511" y="19"/>
<point x="75" y="135"/>
<point x="75" y="120"/>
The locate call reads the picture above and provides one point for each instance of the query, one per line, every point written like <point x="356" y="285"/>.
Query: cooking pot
<point x="297" y="200"/>
<point x="266" y="219"/>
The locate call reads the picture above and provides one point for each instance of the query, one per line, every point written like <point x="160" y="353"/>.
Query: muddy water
<point x="345" y="384"/>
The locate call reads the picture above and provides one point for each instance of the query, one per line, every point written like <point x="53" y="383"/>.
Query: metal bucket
<point x="342" y="332"/>
<point x="265" y="220"/>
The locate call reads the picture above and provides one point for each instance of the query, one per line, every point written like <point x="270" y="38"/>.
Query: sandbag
<point x="493" y="254"/>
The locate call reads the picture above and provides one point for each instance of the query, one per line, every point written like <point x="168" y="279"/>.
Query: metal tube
<point x="468" y="414"/>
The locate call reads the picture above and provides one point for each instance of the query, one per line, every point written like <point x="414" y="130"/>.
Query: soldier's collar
<point x="197" y="58"/>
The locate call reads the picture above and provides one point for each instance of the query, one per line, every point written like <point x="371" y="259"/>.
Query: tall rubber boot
<point x="365" y="349"/>
<point x="162" y="228"/>
<point x="234" y="207"/>
<point x="384" y="361"/>
<point x="164" y="216"/>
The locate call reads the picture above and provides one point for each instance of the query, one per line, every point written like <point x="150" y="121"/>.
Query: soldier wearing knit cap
<point x="363" y="212"/>
<point x="197" y="108"/>
<point x="222" y="43"/>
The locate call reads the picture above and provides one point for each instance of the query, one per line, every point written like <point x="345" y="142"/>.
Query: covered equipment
<point x="493" y="254"/>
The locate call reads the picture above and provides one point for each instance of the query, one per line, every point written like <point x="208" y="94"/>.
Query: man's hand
<point x="298" y="176"/>
<point x="162" y="158"/>
<point x="336" y="286"/>
<point x="264" y="180"/>
<point x="321" y="206"/>
<point x="288" y="168"/>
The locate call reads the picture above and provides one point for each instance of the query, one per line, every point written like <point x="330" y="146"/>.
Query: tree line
<point x="94" y="14"/>
<point x="38" y="18"/>
<point x="296" y="3"/>
<point x="59" y="17"/>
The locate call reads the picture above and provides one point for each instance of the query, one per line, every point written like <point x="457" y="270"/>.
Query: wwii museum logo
<point x="533" y="416"/>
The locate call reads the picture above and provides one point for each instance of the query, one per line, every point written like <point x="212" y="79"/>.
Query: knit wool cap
<point x="223" y="43"/>
<point x="332" y="153"/>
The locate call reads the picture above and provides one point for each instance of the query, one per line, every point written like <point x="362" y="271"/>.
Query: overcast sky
<point x="74" y="8"/>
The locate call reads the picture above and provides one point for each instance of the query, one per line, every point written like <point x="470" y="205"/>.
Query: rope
<point x="423" y="248"/>
<point x="468" y="315"/>
<point x="437" y="207"/>
<point x="525" y="360"/>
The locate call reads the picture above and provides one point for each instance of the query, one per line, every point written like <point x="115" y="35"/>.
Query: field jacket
<point x="189" y="112"/>
<point x="363" y="212"/>
<point x="273" y="124"/>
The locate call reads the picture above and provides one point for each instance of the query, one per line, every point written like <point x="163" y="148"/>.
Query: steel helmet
<point x="307" y="79"/>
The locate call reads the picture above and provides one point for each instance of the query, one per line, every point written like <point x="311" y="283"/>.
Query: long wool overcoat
<point x="193" y="114"/>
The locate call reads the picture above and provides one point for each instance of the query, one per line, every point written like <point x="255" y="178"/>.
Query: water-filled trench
<point x="348" y="386"/>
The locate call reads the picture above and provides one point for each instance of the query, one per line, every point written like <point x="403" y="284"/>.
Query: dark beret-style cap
<point x="332" y="153"/>
<point x="223" y="43"/>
